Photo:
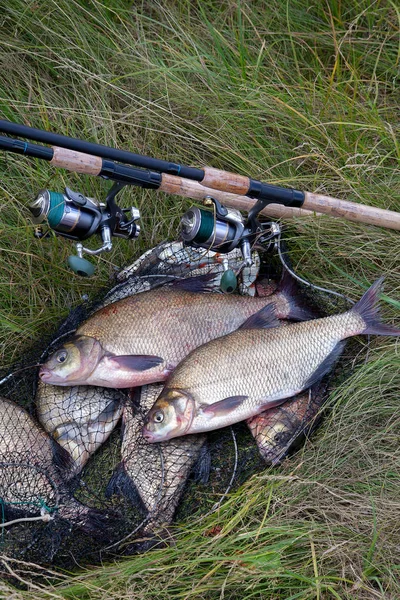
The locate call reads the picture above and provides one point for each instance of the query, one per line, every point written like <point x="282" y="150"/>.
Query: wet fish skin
<point x="79" y="418"/>
<point x="30" y="466"/>
<point x="141" y="339"/>
<point x="235" y="377"/>
<point x="154" y="474"/>
<point x="281" y="429"/>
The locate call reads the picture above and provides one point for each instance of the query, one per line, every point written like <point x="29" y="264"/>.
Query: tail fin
<point x="121" y="484"/>
<point x="368" y="310"/>
<point x="298" y="311"/>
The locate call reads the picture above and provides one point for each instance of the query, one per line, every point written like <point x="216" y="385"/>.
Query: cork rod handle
<point x="352" y="211"/>
<point x="192" y="189"/>
<point x="314" y="204"/>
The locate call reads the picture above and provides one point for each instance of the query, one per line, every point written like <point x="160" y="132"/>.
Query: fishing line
<point x="10" y="375"/>
<point x="316" y="287"/>
<point x="55" y="341"/>
<point x="304" y="281"/>
<point x="230" y="484"/>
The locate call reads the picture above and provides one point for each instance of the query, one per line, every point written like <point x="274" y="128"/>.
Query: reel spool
<point x="222" y="229"/>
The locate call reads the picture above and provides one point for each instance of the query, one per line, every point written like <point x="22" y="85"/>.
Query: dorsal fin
<point x="289" y="288"/>
<point x="263" y="319"/>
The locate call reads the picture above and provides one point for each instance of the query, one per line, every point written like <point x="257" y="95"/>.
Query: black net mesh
<point x="75" y="472"/>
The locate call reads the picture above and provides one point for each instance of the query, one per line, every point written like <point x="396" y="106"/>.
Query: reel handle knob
<point x="228" y="282"/>
<point x="80" y="266"/>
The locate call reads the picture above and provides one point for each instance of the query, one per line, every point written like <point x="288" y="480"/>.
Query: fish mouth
<point x="48" y="377"/>
<point x="151" y="436"/>
<point x="148" y="435"/>
<point x="45" y="374"/>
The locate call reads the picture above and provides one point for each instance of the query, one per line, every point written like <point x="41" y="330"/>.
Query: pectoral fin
<point x="137" y="362"/>
<point x="61" y="457"/>
<point x="225" y="406"/>
<point x="199" y="284"/>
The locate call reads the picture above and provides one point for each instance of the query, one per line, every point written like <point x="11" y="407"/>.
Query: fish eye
<point x="281" y="437"/>
<point x="61" y="356"/>
<point x="159" y="416"/>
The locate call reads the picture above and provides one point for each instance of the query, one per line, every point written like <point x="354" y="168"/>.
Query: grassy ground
<point x="298" y="93"/>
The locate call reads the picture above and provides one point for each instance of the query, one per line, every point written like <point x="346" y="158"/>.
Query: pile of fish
<point x="175" y="359"/>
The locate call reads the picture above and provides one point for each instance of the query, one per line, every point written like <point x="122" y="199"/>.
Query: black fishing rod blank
<point x="209" y="177"/>
<point x="84" y="163"/>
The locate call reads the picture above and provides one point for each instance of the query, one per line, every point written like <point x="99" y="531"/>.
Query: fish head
<point x="73" y="362"/>
<point x="171" y="416"/>
<point x="274" y="436"/>
<point x="279" y="434"/>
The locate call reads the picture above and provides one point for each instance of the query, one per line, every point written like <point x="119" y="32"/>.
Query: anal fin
<point x="326" y="365"/>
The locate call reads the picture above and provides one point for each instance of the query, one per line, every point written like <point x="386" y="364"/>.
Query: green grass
<point x="297" y="93"/>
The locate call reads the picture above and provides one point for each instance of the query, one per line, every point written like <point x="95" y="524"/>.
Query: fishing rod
<point x="75" y="216"/>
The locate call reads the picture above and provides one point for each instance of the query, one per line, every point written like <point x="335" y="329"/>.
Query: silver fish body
<point x="79" y="418"/>
<point x="141" y="339"/>
<point x="235" y="377"/>
<point x="156" y="474"/>
<point x="30" y="467"/>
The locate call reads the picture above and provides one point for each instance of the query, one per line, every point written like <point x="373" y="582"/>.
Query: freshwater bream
<point x="79" y="418"/>
<point x="280" y="429"/>
<point x="141" y="339"/>
<point x="154" y="474"/>
<point x="235" y="377"/>
<point x="30" y="467"/>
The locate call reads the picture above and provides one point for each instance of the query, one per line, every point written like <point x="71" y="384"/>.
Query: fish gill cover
<point x="76" y="474"/>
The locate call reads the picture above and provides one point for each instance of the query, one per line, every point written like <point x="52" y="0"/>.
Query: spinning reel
<point x="222" y="230"/>
<point x="77" y="217"/>
<point x="74" y="216"/>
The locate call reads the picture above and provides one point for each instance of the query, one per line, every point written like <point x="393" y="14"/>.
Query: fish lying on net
<point x="30" y="467"/>
<point x="80" y="418"/>
<point x="141" y="339"/>
<point x="154" y="475"/>
<point x="236" y="376"/>
<point x="172" y="260"/>
<point x="279" y="430"/>
<point x="161" y="265"/>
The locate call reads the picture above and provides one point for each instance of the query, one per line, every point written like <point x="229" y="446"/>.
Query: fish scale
<point x="261" y="350"/>
<point x="235" y="377"/>
<point x="80" y="418"/>
<point x="156" y="474"/>
<point x="31" y="464"/>
<point x="175" y="314"/>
